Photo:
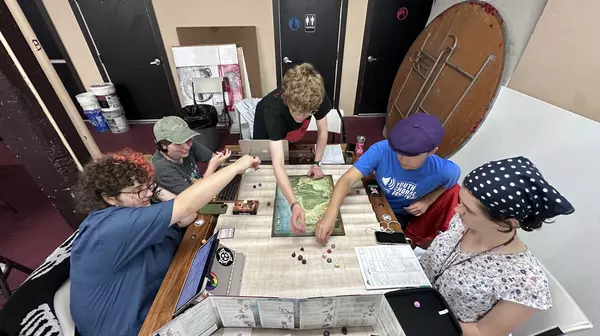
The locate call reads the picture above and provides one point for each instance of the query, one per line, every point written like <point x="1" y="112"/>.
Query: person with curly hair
<point x="488" y="276"/>
<point x="126" y="243"/>
<point x="285" y="114"/>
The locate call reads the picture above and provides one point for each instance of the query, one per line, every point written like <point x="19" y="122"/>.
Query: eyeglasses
<point x="152" y="187"/>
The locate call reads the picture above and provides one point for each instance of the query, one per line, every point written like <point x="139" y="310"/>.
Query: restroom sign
<point x="310" y="21"/>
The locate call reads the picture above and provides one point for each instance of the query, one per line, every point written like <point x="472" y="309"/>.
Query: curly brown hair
<point x="107" y="176"/>
<point x="303" y="89"/>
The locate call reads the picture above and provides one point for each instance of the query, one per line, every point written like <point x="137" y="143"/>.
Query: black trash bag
<point x="199" y="116"/>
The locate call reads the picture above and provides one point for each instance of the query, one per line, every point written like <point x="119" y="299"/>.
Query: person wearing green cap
<point x="177" y="154"/>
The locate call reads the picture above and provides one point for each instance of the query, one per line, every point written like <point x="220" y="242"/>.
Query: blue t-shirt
<point x="118" y="262"/>
<point x="404" y="187"/>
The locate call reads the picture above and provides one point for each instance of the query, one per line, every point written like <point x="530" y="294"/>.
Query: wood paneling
<point x="470" y="33"/>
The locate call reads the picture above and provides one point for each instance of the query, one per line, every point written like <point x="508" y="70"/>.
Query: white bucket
<point x="106" y="95"/>
<point x="91" y="108"/>
<point x="115" y="117"/>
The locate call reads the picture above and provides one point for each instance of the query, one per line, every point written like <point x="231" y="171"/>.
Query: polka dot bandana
<point x="516" y="188"/>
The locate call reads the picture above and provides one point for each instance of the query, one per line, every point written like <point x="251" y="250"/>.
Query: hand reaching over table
<point x="297" y="220"/>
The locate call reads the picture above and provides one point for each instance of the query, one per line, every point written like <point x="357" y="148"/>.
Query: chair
<point x="565" y="314"/>
<point x="62" y="309"/>
<point x="334" y="123"/>
<point x="5" y="272"/>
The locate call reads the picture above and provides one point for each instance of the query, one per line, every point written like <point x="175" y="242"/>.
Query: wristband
<point x="292" y="206"/>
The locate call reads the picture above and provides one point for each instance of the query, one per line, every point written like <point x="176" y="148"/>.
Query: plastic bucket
<point x="91" y="108"/>
<point x="106" y="95"/>
<point x="115" y="117"/>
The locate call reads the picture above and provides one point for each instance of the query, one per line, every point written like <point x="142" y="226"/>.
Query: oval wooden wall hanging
<point x="453" y="71"/>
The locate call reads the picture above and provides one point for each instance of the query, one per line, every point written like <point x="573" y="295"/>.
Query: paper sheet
<point x="317" y="313"/>
<point x="198" y="320"/>
<point x="235" y="312"/>
<point x="343" y="311"/>
<point x="333" y="154"/>
<point x="390" y="266"/>
<point x="237" y="332"/>
<point x="275" y="313"/>
<point x="357" y="311"/>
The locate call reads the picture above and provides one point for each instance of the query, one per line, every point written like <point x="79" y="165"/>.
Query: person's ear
<point x="514" y="223"/>
<point x="434" y="151"/>
<point x="110" y="200"/>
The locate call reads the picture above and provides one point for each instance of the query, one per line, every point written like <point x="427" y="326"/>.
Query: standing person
<point x="126" y="243"/>
<point x="285" y="114"/>
<point x="406" y="168"/>
<point x="177" y="154"/>
<point x="488" y="276"/>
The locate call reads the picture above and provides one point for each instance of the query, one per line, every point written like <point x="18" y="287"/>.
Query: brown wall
<point x="206" y="13"/>
<point x="560" y="64"/>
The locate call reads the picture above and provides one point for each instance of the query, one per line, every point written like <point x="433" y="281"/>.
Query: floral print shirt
<point x="475" y="286"/>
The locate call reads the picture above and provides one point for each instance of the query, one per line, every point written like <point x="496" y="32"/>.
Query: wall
<point x="564" y="146"/>
<point x="72" y="38"/>
<point x="520" y="18"/>
<point x="567" y="34"/>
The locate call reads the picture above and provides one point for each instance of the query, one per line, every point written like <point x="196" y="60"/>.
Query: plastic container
<point x="106" y="95"/>
<point x="91" y="108"/>
<point x="360" y="144"/>
<point x="115" y="117"/>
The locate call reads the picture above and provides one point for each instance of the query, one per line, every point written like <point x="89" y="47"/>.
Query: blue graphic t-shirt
<point x="404" y="187"/>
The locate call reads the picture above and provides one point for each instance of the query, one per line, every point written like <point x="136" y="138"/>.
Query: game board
<point x="314" y="196"/>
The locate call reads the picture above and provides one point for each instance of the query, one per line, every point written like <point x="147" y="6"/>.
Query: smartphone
<point x="385" y="238"/>
<point x="213" y="209"/>
<point x="350" y="147"/>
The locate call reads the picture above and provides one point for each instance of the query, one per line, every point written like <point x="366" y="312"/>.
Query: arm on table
<point x="316" y="172"/>
<point x="202" y="192"/>
<point x="283" y="182"/>
<point x="505" y="317"/>
<point x="342" y="187"/>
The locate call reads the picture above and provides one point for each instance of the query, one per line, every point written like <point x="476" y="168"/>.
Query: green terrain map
<point x="314" y="196"/>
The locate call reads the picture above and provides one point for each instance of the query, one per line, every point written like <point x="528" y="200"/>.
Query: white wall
<point x="566" y="149"/>
<point x="520" y="18"/>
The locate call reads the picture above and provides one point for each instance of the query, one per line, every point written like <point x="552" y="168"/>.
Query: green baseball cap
<point x="173" y="129"/>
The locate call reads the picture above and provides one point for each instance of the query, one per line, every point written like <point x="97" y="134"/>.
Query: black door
<point x="390" y="29"/>
<point x="133" y="54"/>
<point x="48" y="38"/>
<point x="309" y="31"/>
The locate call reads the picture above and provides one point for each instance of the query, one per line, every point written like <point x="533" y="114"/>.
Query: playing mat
<point x="313" y="196"/>
<point x="270" y="269"/>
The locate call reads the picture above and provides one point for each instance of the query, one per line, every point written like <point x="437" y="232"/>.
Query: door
<point x="390" y="29"/>
<point x="311" y="31"/>
<point x="132" y="53"/>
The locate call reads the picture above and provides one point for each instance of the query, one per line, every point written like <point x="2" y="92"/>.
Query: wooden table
<point x="164" y="304"/>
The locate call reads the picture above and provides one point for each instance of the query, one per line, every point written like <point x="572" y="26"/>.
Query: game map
<point x="314" y="196"/>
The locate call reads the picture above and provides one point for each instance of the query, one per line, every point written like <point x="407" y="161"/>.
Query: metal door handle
<point x="155" y="62"/>
<point x="371" y="59"/>
<point x="287" y="60"/>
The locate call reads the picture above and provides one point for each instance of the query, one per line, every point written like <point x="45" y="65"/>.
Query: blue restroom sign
<point x="294" y="23"/>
